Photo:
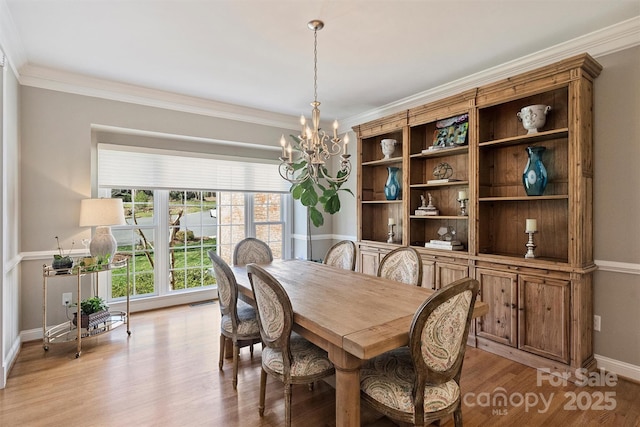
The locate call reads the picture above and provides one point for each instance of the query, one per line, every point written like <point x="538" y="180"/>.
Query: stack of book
<point x="442" y="180"/>
<point x="448" y="245"/>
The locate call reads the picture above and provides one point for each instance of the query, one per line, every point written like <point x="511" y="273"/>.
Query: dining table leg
<point x="347" y="387"/>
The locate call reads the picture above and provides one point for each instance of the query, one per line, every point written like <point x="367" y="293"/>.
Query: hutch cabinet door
<point x="544" y="317"/>
<point x="370" y="259"/>
<point x="369" y="262"/>
<point x="449" y="273"/>
<point x="428" y="274"/>
<point x="499" y="290"/>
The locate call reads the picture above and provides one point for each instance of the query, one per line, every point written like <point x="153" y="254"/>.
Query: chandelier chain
<point x="315" y="65"/>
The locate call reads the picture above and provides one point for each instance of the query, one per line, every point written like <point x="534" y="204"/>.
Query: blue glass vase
<point x="534" y="177"/>
<point x="392" y="187"/>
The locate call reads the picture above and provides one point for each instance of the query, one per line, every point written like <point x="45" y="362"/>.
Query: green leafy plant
<point x="93" y="305"/>
<point x="316" y="195"/>
<point x="61" y="254"/>
<point x="98" y="263"/>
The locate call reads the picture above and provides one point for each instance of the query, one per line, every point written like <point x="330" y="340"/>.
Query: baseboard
<point x="11" y="358"/>
<point x="622" y="369"/>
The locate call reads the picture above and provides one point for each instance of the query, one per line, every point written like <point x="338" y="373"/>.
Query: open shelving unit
<point x="540" y="308"/>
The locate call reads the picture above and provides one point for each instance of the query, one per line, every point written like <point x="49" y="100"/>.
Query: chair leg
<point x="457" y="416"/>
<point x="263" y="390"/>
<point x="311" y="386"/>
<point x="236" y="351"/>
<point x="251" y="349"/>
<point x="223" y="340"/>
<point x="287" y="405"/>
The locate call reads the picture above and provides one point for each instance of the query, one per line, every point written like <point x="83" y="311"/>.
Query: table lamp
<point x="102" y="214"/>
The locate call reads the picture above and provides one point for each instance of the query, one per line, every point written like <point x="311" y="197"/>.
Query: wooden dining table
<point x="353" y="316"/>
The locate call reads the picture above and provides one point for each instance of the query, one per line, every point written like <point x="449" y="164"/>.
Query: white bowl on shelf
<point x="533" y="117"/>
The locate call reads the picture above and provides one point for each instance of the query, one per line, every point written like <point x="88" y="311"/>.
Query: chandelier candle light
<point x="314" y="145"/>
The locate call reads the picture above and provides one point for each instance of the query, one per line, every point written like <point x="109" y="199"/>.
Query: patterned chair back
<point x="342" y="255"/>
<point x="439" y="331"/>
<point x="227" y="286"/>
<point x="275" y="314"/>
<point x="252" y="250"/>
<point x="402" y="265"/>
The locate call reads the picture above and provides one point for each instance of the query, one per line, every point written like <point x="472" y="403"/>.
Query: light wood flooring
<point x="166" y="374"/>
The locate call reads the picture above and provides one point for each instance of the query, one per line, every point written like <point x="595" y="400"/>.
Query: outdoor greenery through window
<point x="193" y="222"/>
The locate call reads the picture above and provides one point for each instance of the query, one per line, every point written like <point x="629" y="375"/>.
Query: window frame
<point x="161" y="227"/>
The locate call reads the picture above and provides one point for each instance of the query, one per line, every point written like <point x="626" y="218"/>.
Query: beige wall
<point x="617" y="206"/>
<point x="55" y="173"/>
<point x="56" y="153"/>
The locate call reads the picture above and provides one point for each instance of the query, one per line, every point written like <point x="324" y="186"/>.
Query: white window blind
<point x="121" y="166"/>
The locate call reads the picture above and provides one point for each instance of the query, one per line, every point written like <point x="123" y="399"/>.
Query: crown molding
<point x="621" y="36"/>
<point x="62" y="81"/>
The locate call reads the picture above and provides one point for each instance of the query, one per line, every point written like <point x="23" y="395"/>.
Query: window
<point x="265" y="215"/>
<point x="193" y="222"/>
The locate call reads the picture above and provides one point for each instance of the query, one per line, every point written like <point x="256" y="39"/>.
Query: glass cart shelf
<point x="68" y="332"/>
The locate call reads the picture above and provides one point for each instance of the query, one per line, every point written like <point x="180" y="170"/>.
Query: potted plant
<point x="98" y="263"/>
<point x="94" y="310"/>
<point x="62" y="261"/>
<point x="324" y="194"/>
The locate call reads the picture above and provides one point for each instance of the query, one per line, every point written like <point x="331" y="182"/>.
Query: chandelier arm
<point x="287" y="172"/>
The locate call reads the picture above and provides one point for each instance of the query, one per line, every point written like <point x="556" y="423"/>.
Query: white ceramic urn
<point x="533" y="117"/>
<point x="388" y="147"/>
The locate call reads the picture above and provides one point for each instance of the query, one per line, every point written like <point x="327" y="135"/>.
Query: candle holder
<point x="463" y="207"/>
<point x="391" y="233"/>
<point x="530" y="245"/>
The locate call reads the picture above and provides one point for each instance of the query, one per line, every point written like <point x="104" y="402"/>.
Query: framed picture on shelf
<point x="451" y="132"/>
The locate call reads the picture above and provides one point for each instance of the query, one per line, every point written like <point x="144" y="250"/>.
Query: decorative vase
<point x="533" y="117"/>
<point x="392" y="186"/>
<point x="534" y="177"/>
<point x="388" y="147"/>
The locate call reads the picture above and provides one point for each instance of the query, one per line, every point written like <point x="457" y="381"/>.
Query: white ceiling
<point x="259" y="53"/>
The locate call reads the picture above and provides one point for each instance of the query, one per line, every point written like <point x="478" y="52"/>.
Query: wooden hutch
<point x="541" y="308"/>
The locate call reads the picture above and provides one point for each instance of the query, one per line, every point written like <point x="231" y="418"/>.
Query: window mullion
<point x="161" y="272"/>
<point x="249" y="223"/>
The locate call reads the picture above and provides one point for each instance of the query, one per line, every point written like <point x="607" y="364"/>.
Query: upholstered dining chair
<point x="239" y="322"/>
<point x="402" y="265"/>
<point x="252" y="250"/>
<point x="342" y="255"/>
<point x="285" y="355"/>
<point x="420" y="383"/>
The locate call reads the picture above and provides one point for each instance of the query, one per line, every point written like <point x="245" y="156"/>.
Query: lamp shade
<point x="98" y="212"/>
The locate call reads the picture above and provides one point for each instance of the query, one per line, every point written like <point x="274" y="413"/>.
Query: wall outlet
<point x="596" y="323"/>
<point x="66" y="298"/>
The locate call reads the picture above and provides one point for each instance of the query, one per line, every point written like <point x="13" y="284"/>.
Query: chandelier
<point x="306" y="158"/>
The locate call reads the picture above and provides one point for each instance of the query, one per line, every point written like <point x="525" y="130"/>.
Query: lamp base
<point x="103" y="243"/>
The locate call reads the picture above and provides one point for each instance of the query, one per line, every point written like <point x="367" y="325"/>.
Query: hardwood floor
<point x="166" y="374"/>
